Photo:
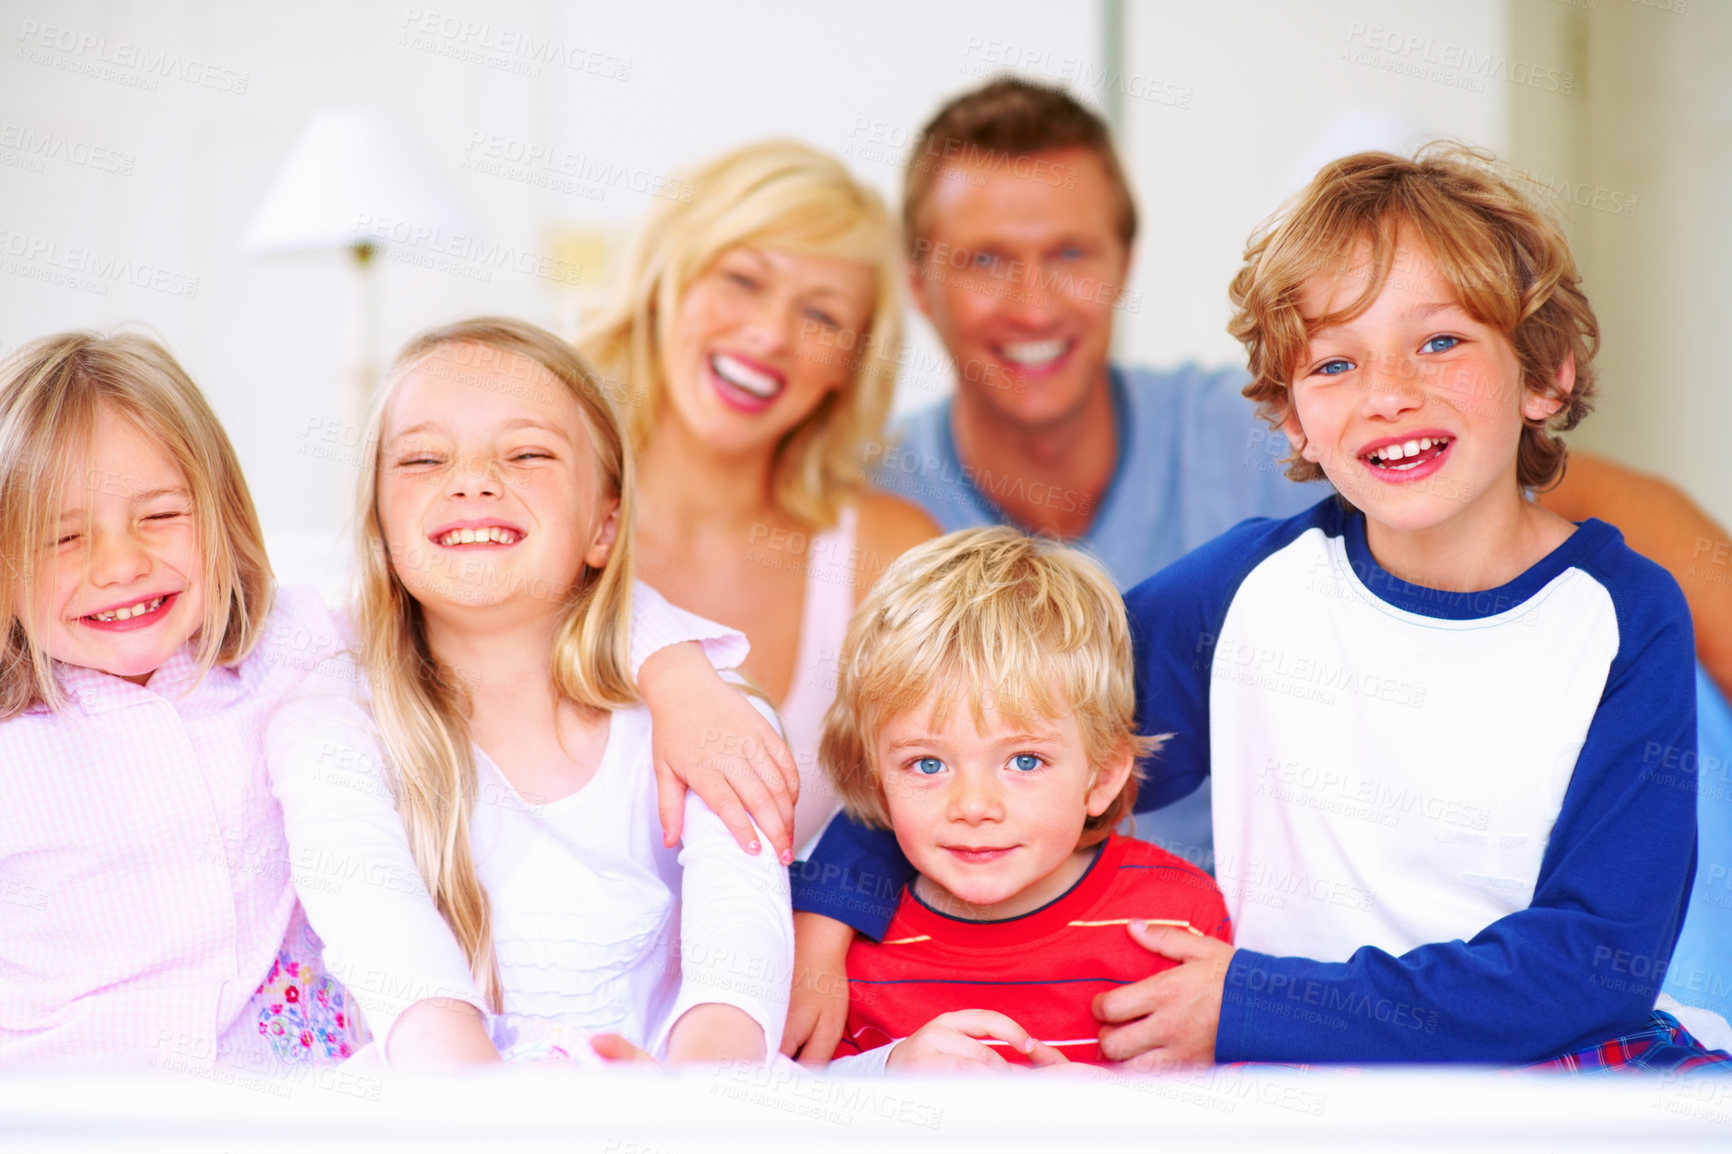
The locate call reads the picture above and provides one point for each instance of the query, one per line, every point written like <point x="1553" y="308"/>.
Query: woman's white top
<point x="832" y="576"/>
<point x="596" y="926"/>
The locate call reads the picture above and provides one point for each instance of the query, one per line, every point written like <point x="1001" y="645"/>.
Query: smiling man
<point x="1020" y="228"/>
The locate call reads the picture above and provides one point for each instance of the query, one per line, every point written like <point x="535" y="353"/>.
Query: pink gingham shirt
<point x="144" y="872"/>
<point x="144" y="880"/>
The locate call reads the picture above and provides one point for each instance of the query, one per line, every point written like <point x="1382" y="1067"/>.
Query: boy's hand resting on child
<point x="818" y="1003"/>
<point x="1168" y="1019"/>
<point x="711" y="740"/>
<point x="949" y="1043"/>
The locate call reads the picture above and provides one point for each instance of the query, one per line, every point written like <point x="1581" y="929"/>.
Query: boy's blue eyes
<point x="1025" y="762"/>
<point x="1339" y="365"/>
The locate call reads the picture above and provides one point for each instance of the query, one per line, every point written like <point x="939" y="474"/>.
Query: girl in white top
<point x="473" y="813"/>
<point x="758" y="324"/>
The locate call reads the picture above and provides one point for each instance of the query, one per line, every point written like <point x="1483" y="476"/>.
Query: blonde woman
<point x="755" y="334"/>
<point x="472" y="810"/>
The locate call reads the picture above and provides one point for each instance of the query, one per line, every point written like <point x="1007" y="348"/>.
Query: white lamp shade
<point x="354" y="175"/>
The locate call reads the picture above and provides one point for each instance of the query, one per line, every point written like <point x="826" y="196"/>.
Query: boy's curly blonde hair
<point x="989" y="617"/>
<point x="1507" y="261"/>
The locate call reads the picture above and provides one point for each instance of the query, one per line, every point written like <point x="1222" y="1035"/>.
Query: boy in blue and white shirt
<point x="1429" y="706"/>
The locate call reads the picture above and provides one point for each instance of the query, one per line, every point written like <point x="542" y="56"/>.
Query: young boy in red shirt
<point x="985" y="713"/>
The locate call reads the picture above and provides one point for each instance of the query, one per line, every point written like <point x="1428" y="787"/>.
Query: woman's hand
<point x="706" y="737"/>
<point x="439" y="1035"/>
<point x="949" y="1043"/>
<point x="818" y="1003"/>
<point x="1169" y="1019"/>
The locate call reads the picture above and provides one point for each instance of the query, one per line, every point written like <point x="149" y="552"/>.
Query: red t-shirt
<point x="1042" y="969"/>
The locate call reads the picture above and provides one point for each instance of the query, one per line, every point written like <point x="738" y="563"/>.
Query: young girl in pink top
<point x="145" y="906"/>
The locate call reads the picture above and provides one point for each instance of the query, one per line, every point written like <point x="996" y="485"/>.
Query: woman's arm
<point x="384" y="936"/>
<point x="1662" y="524"/>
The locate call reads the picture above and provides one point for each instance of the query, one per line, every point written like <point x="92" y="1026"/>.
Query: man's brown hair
<point x="1007" y="118"/>
<point x="1507" y="261"/>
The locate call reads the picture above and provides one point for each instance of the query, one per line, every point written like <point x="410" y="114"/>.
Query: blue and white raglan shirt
<point x="1448" y="826"/>
<point x="1444" y="825"/>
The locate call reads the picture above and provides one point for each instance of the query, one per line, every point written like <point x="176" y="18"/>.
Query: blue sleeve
<point x="1582" y="963"/>
<point x="1175" y="619"/>
<point x="856" y="875"/>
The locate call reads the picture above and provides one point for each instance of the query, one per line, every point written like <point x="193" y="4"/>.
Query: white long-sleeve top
<point x="596" y="926"/>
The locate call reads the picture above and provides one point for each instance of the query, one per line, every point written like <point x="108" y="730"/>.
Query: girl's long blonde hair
<point x="50" y="393"/>
<point x="783" y="196"/>
<point x="419" y="704"/>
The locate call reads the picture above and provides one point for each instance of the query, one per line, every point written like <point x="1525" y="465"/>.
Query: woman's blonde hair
<point x="51" y="391"/>
<point x="783" y="196"/>
<point x="994" y="618"/>
<point x="420" y="704"/>
<point x="1507" y="261"/>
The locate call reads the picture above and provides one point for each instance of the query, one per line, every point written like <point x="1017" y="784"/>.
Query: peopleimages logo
<point x="1447" y="62"/>
<point x="87" y="269"/>
<point x="45" y="145"/>
<point x="136" y="65"/>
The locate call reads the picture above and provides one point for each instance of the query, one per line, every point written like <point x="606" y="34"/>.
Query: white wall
<point x="1224" y="105"/>
<point x="661" y="85"/>
<point x="1268" y="80"/>
<point x="1644" y="161"/>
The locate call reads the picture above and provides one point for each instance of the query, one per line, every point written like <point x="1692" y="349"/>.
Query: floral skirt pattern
<point x="305" y="1015"/>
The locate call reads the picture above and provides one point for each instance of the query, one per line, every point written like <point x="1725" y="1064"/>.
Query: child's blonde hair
<point x="1507" y="261"/>
<point x="421" y="706"/>
<point x="51" y="391"/>
<point x="994" y="618"/>
<point x="783" y="196"/>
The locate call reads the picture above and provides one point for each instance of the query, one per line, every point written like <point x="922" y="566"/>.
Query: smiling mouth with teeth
<point x="1407" y="455"/>
<point x="128" y="612"/>
<point x="1034" y="354"/>
<point x="492" y="535"/>
<point x="744" y="377"/>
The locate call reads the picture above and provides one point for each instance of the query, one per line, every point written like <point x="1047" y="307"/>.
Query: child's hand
<point x="707" y="737"/>
<point x="1171" y="1018"/>
<point x="616" y="1050"/>
<point x="438" y="1035"/>
<point x="818" y="1003"/>
<point x="948" y="1044"/>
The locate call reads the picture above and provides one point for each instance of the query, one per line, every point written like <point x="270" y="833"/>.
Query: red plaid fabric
<point x="1664" y="1045"/>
